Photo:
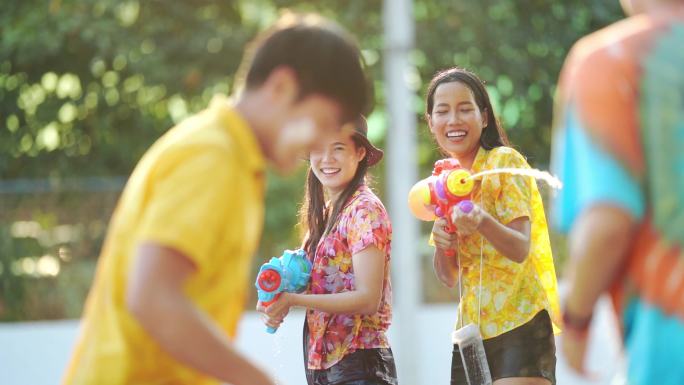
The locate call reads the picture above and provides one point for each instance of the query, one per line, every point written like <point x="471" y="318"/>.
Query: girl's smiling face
<point x="336" y="161"/>
<point x="456" y="121"/>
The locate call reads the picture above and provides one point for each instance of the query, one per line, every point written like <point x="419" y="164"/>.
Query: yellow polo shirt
<point x="199" y="190"/>
<point x="512" y="293"/>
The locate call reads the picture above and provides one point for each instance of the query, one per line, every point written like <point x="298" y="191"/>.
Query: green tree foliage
<point x="87" y="85"/>
<point x="517" y="48"/>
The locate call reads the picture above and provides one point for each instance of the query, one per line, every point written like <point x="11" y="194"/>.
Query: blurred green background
<point x="86" y="86"/>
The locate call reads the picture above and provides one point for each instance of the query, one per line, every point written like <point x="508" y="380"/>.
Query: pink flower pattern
<point x="363" y="222"/>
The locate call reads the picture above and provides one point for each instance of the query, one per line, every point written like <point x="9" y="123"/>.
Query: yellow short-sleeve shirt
<point x="199" y="190"/>
<point x="512" y="293"/>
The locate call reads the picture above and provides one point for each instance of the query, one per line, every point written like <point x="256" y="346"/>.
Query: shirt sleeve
<point x="514" y="199"/>
<point x="369" y="226"/>
<point x="189" y="202"/>
<point x="596" y="143"/>
<point x="590" y="175"/>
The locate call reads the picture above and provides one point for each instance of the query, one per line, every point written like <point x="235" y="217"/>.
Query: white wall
<point x="35" y="353"/>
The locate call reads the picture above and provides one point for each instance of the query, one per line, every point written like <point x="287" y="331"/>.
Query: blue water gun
<point x="288" y="273"/>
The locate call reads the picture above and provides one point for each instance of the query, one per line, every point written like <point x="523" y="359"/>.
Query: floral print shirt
<point x="512" y="293"/>
<point x="362" y="223"/>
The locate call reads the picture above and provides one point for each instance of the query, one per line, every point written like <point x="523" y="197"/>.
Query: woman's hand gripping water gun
<point x="288" y="273"/>
<point x="436" y="196"/>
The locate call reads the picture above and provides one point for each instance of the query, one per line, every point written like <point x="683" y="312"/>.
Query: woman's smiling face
<point x="335" y="162"/>
<point x="456" y="121"/>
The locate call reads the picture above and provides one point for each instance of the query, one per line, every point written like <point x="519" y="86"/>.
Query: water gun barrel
<point x="269" y="280"/>
<point x="458" y="183"/>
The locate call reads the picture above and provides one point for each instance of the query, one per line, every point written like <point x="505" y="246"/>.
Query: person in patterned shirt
<point x="503" y="264"/>
<point x="348" y="235"/>
<point x="619" y="148"/>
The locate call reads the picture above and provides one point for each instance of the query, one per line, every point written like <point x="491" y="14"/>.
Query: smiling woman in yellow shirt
<point x="507" y="278"/>
<point x="513" y="292"/>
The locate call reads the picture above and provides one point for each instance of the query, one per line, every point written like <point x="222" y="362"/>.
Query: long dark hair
<point x="493" y="135"/>
<point x="314" y="219"/>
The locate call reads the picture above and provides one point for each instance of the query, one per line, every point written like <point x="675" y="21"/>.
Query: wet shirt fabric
<point x="362" y="223"/>
<point x="512" y="293"/>
<point x="619" y="140"/>
<point x="198" y="190"/>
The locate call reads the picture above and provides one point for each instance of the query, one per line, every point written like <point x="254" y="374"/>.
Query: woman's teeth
<point x="456" y="134"/>
<point x="330" y="171"/>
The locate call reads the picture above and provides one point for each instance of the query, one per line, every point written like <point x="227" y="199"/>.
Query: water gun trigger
<point x="450" y="226"/>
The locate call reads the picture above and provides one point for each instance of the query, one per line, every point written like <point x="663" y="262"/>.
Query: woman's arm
<point x="511" y="240"/>
<point x="369" y="270"/>
<point x="446" y="267"/>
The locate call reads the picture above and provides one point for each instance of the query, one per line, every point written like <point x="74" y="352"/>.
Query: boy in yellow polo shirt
<point x="173" y="272"/>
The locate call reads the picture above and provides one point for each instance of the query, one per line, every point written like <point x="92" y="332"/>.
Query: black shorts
<point x="361" y="367"/>
<point x="364" y="366"/>
<point x="526" y="351"/>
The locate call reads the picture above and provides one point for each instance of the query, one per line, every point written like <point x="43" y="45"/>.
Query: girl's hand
<point x="442" y="239"/>
<point x="274" y="314"/>
<point x="467" y="223"/>
<point x="272" y="322"/>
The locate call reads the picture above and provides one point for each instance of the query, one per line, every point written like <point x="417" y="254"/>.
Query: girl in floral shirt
<point x="503" y="255"/>
<point x="348" y="242"/>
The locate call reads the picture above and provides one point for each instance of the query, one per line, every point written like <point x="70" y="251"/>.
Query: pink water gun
<point x="449" y="186"/>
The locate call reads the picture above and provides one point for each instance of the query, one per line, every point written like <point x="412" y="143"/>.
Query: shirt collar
<point x="480" y="160"/>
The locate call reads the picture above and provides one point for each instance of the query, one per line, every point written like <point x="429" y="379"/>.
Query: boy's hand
<point x="442" y="239"/>
<point x="467" y="223"/>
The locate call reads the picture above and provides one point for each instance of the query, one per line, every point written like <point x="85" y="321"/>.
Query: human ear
<point x="428" y="117"/>
<point x="360" y="153"/>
